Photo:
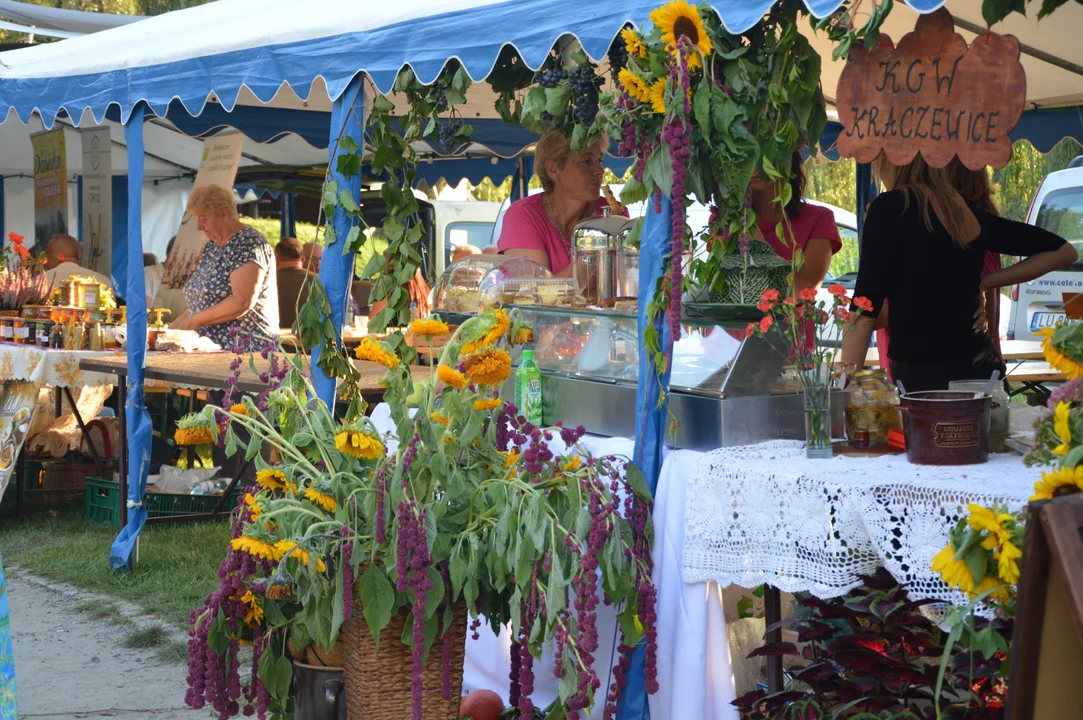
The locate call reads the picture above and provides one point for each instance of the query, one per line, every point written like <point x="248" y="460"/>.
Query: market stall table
<point x="57" y="369"/>
<point x="766" y="515"/>
<point x="1034" y="375"/>
<point x="206" y="371"/>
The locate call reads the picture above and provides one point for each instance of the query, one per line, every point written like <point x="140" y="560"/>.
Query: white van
<point x="458" y="223"/>
<point x="1057" y="207"/>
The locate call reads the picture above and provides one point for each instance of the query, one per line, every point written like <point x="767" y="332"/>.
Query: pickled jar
<point x="874" y="406"/>
<point x="20" y="332"/>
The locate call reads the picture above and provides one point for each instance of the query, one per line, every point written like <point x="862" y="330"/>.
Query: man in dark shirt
<point x="293" y="280"/>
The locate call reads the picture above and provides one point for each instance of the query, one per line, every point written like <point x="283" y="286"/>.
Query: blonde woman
<point x="922" y="252"/>
<point x="234" y="285"/>
<point x="540" y="227"/>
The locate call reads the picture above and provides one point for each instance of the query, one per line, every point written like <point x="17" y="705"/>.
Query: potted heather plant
<point x="22" y="277"/>
<point x="380" y="550"/>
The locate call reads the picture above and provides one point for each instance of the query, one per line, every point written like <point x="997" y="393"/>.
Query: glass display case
<point x="725" y="389"/>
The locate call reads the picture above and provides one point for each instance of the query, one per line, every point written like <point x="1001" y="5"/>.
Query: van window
<point x="1062" y="212"/>
<point x="845" y="260"/>
<point x="477" y="234"/>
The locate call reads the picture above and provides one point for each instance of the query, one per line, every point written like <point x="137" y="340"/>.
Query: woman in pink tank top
<point x="540" y="227"/>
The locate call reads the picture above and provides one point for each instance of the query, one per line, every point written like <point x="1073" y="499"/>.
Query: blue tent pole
<point x="654" y="251"/>
<point x="292" y="204"/>
<point x="283" y="216"/>
<point x="336" y="270"/>
<point x="135" y="411"/>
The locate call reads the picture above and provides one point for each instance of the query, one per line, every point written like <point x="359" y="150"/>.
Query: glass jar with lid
<point x="874" y="406"/>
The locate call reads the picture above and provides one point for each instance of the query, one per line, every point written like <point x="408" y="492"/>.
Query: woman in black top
<point x="922" y="251"/>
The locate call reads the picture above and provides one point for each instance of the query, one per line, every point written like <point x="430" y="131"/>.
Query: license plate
<point x="1044" y="319"/>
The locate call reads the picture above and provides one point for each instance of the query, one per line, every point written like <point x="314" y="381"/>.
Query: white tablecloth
<point x="767" y="514"/>
<point x="693" y="650"/>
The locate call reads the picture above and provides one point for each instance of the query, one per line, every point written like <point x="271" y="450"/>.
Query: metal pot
<point x="945" y="427"/>
<point x="318" y="692"/>
<point x="627" y="264"/>
<point x="594" y="257"/>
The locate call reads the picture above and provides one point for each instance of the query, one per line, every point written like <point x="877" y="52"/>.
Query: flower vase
<point x="817" y="414"/>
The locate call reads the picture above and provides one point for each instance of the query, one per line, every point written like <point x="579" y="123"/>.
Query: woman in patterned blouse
<point x="234" y="285"/>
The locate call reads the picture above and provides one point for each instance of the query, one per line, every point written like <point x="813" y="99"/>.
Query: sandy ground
<point x="68" y="666"/>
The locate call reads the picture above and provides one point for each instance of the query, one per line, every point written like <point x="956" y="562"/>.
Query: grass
<point x="97" y="610"/>
<point x="158" y="639"/>
<point x="177" y="562"/>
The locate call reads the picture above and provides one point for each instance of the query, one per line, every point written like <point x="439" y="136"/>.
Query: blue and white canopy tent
<point x="234" y="54"/>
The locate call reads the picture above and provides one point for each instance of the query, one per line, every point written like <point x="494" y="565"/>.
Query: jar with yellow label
<point x="874" y="406"/>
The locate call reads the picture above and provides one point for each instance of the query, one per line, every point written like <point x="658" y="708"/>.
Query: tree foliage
<point x="112" y="7"/>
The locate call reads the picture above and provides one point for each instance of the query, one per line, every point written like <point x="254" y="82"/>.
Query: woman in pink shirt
<point x="810" y="227"/>
<point x="540" y="227"/>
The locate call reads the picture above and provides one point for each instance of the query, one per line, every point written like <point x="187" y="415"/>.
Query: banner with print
<point x="97" y="236"/>
<point x="221" y="157"/>
<point x="50" y="186"/>
<point x="17" y="406"/>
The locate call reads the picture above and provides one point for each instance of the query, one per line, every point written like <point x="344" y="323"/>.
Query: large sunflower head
<point x="634" y="85"/>
<point x="373" y="350"/>
<point x="490" y="366"/>
<point x="678" y="20"/>
<point x="633" y="43"/>
<point x="1062" y="481"/>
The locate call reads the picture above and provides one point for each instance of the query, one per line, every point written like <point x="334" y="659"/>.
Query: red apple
<point x="481" y="705"/>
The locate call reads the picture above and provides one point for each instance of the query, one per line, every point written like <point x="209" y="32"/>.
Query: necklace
<point x="552" y="214"/>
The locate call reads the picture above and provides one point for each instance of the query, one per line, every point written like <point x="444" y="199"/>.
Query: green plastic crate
<point x="103" y="503"/>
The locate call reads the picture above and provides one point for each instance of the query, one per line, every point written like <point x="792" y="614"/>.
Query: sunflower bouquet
<point x="983" y="553"/>
<point x="1058" y="437"/>
<point x="464" y="510"/>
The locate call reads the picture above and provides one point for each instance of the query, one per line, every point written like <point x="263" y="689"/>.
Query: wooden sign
<point x="934" y="95"/>
<point x="1047" y="639"/>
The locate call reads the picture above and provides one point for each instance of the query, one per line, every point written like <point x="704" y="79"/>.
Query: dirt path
<point x="69" y="666"/>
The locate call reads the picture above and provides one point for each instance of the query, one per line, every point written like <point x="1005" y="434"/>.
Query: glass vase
<point x="817" y="418"/>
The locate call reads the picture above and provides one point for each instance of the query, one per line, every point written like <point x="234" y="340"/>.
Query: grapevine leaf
<point x="377" y="599"/>
<point x="701" y="106"/>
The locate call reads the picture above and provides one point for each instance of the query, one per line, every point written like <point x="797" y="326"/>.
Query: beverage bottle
<point x="528" y="389"/>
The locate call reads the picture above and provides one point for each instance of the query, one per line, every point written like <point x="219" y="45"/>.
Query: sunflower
<point x="633" y="43"/>
<point x="501" y="323"/>
<point x="1071" y="368"/>
<point x="634" y="85"/>
<point x="451" y="377"/>
<point x="954" y="572"/>
<point x="271" y="479"/>
<point x="440" y="418"/>
<point x="193" y="436"/>
<point x="359" y="445"/>
<point x="255" y="548"/>
<point x="254" y="510"/>
<point x="489" y="367"/>
<point x="1062" y="481"/>
<point x="678" y="19"/>
<point x="373" y="350"/>
<point x="318" y="498"/>
<point x="983" y="518"/>
<point x="1062" y="427"/>
<point x="522" y="336"/>
<point x="1004" y="594"/>
<point x="284" y="548"/>
<point x="277" y="591"/>
<point x="658" y="96"/>
<point x="1007" y="567"/>
<point x="429" y="327"/>
<point x="487" y="405"/>
<point x="239" y="409"/>
<point x="253" y="614"/>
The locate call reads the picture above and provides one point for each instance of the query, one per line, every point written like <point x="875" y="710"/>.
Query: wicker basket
<point x="63" y="481"/>
<point x="378" y="684"/>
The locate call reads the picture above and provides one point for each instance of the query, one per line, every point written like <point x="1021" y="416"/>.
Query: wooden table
<point x="1021" y="350"/>
<point x="1033" y="375"/>
<point x="208" y="371"/>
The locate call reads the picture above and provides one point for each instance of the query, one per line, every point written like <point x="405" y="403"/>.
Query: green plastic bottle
<point x="528" y="389"/>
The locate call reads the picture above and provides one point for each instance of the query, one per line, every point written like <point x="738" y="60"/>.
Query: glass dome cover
<point x="479" y="282"/>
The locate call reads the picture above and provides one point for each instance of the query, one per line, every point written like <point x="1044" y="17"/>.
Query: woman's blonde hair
<point x="917" y="180"/>
<point x="973" y="185"/>
<point x="212" y="197"/>
<point x="556" y="147"/>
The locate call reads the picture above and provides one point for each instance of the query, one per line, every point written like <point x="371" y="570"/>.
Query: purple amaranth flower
<point x="1068" y="392"/>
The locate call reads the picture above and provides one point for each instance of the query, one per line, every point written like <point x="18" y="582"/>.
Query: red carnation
<point x="837" y="290"/>
<point x="864" y="304"/>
